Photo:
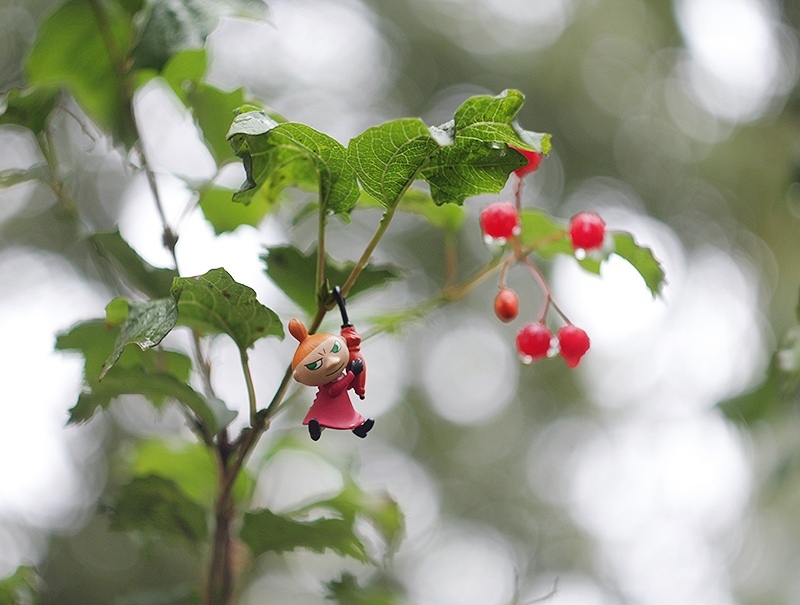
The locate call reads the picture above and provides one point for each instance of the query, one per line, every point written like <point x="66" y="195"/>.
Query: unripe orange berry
<point x="506" y="305"/>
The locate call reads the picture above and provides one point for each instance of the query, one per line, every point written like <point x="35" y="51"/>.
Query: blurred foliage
<point x="74" y="68"/>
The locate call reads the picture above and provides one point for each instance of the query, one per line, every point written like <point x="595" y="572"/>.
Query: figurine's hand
<point x="357" y="366"/>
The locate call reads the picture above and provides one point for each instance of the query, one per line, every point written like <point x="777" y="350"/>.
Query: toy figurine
<point x="353" y="340"/>
<point x="324" y="361"/>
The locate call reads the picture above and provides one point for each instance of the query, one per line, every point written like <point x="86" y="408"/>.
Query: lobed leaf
<point x="152" y="281"/>
<point x="264" y="531"/>
<point x="214" y="303"/>
<point x="481" y="158"/>
<point x="276" y="156"/>
<point x="295" y="274"/>
<point x="157" y="505"/>
<point x="143" y="323"/>
<point x="388" y="158"/>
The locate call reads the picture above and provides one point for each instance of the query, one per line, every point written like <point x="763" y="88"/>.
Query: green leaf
<point x="762" y="402"/>
<point x="214" y="303"/>
<point x="226" y="215"/>
<point x="480" y="159"/>
<point x="157" y="387"/>
<point x="548" y="237"/>
<point x="379" y="509"/>
<point x="151" y="281"/>
<point x="174" y="25"/>
<point x="184" y="70"/>
<point x="346" y="591"/>
<point x="95" y="340"/>
<point x="70" y="51"/>
<point x="544" y="234"/>
<point x="143" y="323"/>
<point x="264" y="531"/>
<point x="29" y="107"/>
<point x="212" y="108"/>
<point x="156" y="374"/>
<point x="642" y="259"/>
<point x="191" y="466"/>
<point x="157" y="505"/>
<point x="20" y="588"/>
<point x="295" y="274"/>
<point x="276" y="156"/>
<point x="388" y="158"/>
<point x="448" y="218"/>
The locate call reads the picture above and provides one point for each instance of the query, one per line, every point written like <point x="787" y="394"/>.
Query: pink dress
<point x="332" y="407"/>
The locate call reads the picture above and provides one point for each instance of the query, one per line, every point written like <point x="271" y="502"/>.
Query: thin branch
<point x="320" y="275"/>
<point x="251" y="391"/>
<point x="373" y="243"/>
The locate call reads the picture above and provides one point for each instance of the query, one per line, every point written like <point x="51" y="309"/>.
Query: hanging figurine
<point x="353" y="340"/>
<point x="325" y="361"/>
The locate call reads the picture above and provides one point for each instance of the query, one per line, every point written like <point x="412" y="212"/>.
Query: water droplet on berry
<point x="526" y="359"/>
<point x="580" y="253"/>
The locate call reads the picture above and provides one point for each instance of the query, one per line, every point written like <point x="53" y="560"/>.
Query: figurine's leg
<point x="314" y="429"/>
<point x="364" y="428"/>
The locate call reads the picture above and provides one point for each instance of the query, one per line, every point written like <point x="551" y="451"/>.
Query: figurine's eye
<point x="315" y="365"/>
<point x="335" y="348"/>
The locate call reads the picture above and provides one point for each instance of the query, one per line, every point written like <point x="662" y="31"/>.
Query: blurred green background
<point x="663" y="470"/>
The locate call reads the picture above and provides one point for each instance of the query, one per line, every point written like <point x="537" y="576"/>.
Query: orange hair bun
<point x="307" y="342"/>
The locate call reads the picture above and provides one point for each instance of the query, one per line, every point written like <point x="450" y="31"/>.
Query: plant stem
<point x="320" y="279"/>
<point x="450" y="258"/>
<point x="219" y="583"/>
<point x="251" y="391"/>
<point x="373" y="243"/>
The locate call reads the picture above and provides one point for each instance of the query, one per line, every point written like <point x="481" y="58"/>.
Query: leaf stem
<point x="251" y="391"/>
<point x="450" y="294"/>
<point x="373" y="243"/>
<point x="323" y="222"/>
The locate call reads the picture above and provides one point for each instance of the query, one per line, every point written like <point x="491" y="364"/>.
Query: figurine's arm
<point x="340" y="386"/>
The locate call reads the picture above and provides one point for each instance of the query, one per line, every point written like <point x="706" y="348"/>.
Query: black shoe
<point x="314" y="429"/>
<point x="364" y="428"/>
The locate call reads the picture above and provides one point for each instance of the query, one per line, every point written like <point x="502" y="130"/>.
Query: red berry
<point x="506" y="305"/>
<point x="574" y="343"/>
<point x="533" y="157"/>
<point x="500" y="221"/>
<point x="533" y="341"/>
<point x="587" y="231"/>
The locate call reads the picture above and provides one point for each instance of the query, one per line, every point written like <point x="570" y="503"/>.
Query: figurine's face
<point x="324" y="364"/>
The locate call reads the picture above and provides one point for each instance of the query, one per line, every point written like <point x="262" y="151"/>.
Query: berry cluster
<point x="500" y="223"/>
